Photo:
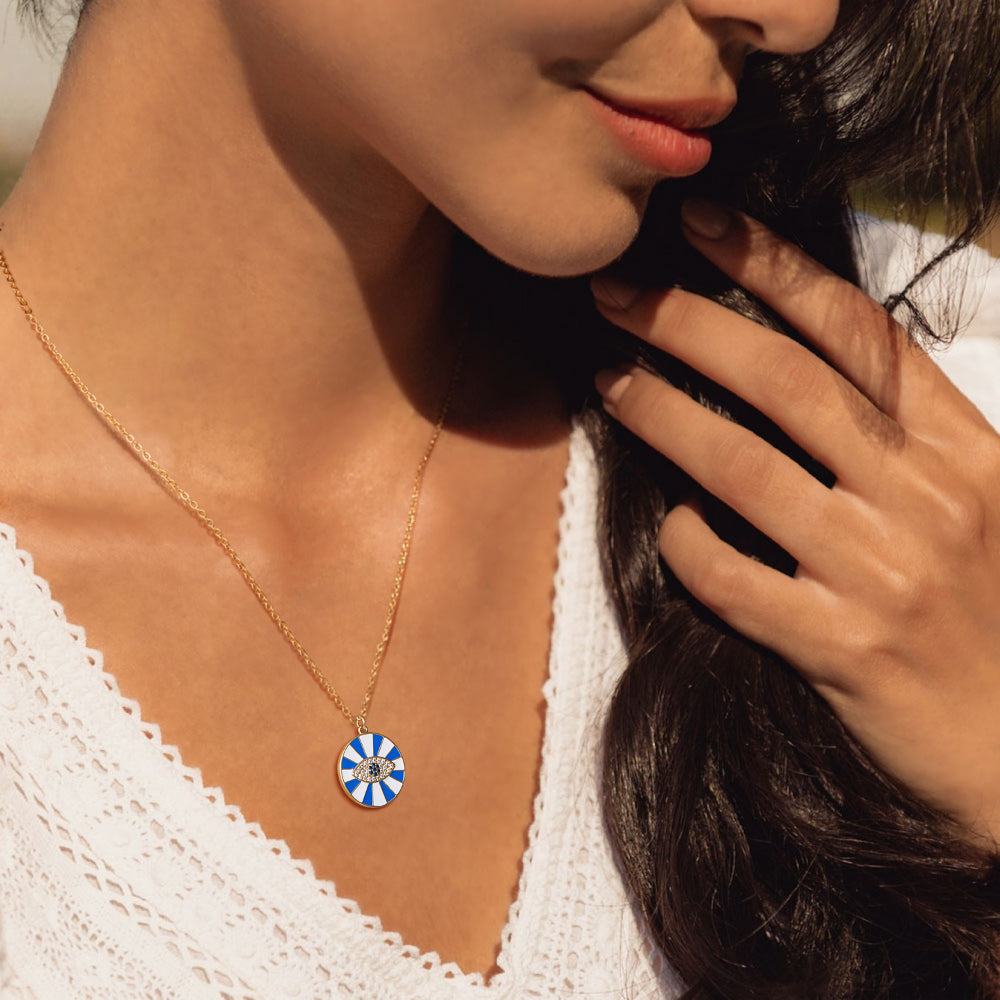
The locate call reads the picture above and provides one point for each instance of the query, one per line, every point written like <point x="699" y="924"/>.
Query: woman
<point x="251" y="229"/>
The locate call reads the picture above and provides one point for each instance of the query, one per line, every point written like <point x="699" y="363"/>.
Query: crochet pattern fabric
<point x="122" y="877"/>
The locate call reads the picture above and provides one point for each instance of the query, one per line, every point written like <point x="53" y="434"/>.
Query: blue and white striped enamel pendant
<point x="371" y="771"/>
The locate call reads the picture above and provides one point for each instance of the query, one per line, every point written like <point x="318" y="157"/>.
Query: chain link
<point x="185" y="498"/>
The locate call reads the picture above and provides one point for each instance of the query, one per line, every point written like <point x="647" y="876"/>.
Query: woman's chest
<point x="104" y="828"/>
<point x="459" y="690"/>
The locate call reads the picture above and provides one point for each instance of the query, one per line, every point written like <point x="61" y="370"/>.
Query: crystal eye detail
<point x="371" y="770"/>
<point x="374" y="769"/>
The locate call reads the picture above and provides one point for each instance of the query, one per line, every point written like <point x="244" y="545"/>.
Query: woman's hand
<point x="894" y="612"/>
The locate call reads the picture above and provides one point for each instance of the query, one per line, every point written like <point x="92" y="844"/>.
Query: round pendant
<point x="370" y="769"/>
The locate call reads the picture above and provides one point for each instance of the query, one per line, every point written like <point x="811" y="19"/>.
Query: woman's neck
<point x="221" y="276"/>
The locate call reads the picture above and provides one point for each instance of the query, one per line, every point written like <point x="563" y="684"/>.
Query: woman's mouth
<point x="671" y="138"/>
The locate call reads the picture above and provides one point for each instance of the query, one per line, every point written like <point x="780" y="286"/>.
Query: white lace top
<point x="123" y="878"/>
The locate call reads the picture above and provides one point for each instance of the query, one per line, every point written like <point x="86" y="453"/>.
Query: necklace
<point x="370" y="768"/>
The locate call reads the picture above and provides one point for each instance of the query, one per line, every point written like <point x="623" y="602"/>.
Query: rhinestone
<point x="373" y="769"/>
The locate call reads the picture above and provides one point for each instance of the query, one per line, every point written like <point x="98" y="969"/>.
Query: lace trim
<point x="278" y="849"/>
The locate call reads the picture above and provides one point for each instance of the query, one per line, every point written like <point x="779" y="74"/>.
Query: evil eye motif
<point x="371" y="770"/>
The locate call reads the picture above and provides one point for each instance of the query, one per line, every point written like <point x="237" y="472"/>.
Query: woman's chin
<point x="567" y="244"/>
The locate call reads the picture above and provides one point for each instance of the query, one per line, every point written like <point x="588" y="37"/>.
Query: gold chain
<point x="185" y="498"/>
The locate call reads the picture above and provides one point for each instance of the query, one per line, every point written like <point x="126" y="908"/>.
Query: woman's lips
<point x="658" y="139"/>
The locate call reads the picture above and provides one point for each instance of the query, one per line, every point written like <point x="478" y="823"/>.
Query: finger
<point x="813" y="403"/>
<point x="743" y="471"/>
<point x="858" y="337"/>
<point x="758" y="601"/>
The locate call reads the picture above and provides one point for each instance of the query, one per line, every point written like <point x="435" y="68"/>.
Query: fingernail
<point x="706" y="218"/>
<point x="613" y="292"/>
<point x="612" y="383"/>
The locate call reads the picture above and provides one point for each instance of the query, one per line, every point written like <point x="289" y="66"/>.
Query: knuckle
<point x="962" y="518"/>
<point x="764" y="244"/>
<point x="954" y="501"/>
<point x="862" y="656"/>
<point x="909" y="594"/>
<point x="790" y="373"/>
<point x="855" y="646"/>
<point x="864" y="313"/>
<point x="866" y="663"/>
<point x="746" y="465"/>
<point x="717" y="583"/>
<point x="863" y="320"/>
<point x="867" y="639"/>
<point x="847" y="663"/>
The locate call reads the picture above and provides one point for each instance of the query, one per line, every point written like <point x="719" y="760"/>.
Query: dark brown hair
<point x="770" y="857"/>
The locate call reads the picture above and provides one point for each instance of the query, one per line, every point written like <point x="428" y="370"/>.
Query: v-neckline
<point x="303" y="882"/>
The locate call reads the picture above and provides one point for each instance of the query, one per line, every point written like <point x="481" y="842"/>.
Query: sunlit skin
<point x="236" y="225"/>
